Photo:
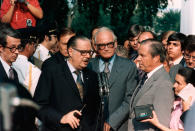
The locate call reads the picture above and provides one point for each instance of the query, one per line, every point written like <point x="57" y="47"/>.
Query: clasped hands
<point x="71" y="119"/>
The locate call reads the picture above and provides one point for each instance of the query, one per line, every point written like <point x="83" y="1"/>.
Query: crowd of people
<point x="95" y="84"/>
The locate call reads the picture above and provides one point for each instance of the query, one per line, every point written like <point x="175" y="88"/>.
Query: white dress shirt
<point x="72" y="70"/>
<point x="5" y="66"/>
<point x="153" y="71"/>
<point x="28" y="74"/>
<point x="41" y="53"/>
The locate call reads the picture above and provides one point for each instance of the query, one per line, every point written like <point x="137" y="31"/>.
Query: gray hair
<point x="102" y="29"/>
<point x="156" y="48"/>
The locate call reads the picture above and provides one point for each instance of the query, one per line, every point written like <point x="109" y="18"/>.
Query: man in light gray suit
<point x="122" y="75"/>
<point x="156" y="90"/>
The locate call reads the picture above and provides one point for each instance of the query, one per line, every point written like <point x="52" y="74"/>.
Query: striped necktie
<point x="11" y="73"/>
<point x="106" y="68"/>
<point x="79" y="83"/>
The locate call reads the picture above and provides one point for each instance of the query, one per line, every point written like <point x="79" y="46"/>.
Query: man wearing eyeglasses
<point x="23" y="118"/>
<point x="189" y="57"/>
<point x="121" y="74"/>
<point x="9" y="49"/>
<point x="28" y="73"/>
<point x="175" y="48"/>
<point x="68" y="92"/>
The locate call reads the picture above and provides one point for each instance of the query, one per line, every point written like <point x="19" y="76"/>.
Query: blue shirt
<point x="102" y="65"/>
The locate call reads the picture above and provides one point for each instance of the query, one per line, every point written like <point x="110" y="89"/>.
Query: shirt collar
<point x="153" y="71"/>
<point x="178" y="60"/>
<point x="44" y="48"/>
<point x="5" y="66"/>
<point x="111" y="61"/>
<point x="22" y="57"/>
<point x="71" y="67"/>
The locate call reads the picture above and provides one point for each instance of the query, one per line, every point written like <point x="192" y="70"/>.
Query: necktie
<point x="106" y="69"/>
<point x="79" y="83"/>
<point x="144" y="78"/>
<point x="11" y="73"/>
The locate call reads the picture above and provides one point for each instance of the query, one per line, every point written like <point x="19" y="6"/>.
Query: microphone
<point x="103" y="84"/>
<point x="100" y="85"/>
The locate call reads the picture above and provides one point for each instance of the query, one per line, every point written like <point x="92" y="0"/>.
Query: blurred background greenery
<point x="119" y="15"/>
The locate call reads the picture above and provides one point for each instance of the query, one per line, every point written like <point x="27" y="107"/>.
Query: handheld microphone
<point x="100" y="85"/>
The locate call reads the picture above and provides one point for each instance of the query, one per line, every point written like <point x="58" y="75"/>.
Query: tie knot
<point x="106" y="63"/>
<point x="144" y="78"/>
<point x="77" y="72"/>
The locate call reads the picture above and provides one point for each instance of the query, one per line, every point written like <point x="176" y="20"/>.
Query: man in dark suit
<point x="60" y="96"/>
<point x="23" y="117"/>
<point x="189" y="56"/>
<point x="175" y="48"/>
<point x="63" y="36"/>
<point x="155" y="90"/>
<point x="122" y="79"/>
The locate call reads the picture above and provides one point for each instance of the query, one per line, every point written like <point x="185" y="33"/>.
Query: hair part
<point x="135" y="30"/>
<point x="7" y="30"/>
<point x="73" y="40"/>
<point x="156" y="48"/>
<point x="178" y="37"/>
<point x="65" y="31"/>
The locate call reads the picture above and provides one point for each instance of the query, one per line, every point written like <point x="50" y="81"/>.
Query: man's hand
<point x="106" y="127"/>
<point x="70" y="119"/>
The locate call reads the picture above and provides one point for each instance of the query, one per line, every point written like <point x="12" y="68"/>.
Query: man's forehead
<point x="12" y="41"/>
<point x="178" y="42"/>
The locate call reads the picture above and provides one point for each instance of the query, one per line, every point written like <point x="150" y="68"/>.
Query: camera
<point x="21" y="1"/>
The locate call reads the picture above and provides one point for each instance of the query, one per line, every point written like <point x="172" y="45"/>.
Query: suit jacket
<point x="174" y="70"/>
<point x="23" y="117"/>
<point x="57" y="58"/>
<point x="58" y="94"/>
<point x="4" y="77"/>
<point x="157" y="90"/>
<point x="122" y="83"/>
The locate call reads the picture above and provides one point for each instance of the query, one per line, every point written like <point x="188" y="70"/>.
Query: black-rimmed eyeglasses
<point x="186" y="56"/>
<point x="103" y="46"/>
<point x="13" y="49"/>
<point x="84" y="52"/>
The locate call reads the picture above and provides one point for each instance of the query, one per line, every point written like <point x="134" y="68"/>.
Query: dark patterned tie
<point x="144" y="78"/>
<point x="79" y="83"/>
<point x="106" y="69"/>
<point x="11" y="73"/>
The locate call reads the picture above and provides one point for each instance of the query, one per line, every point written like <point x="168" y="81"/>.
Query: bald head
<point x="145" y="36"/>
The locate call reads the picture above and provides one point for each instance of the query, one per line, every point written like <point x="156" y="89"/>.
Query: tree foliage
<point x="117" y="14"/>
<point x="169" y="21"/>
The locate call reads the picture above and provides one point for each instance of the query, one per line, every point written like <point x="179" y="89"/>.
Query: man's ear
<point x="156" y="59"/>
<point x="70" y="51"/>
<point x="115" y="44"/>
<point x="46" y="38"/>
<point x="1" y="48"/>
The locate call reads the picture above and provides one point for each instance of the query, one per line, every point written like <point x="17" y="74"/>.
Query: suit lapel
<point x="3" y="75"/>
<point x="147" y="85"/>
<point x="96" y="65"/>
<point x="85" y="81"/>
<point x="114" y="71"/>
<point x="70" y="80"/>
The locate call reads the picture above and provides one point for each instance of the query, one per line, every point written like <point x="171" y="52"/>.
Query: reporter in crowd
<point x="20" y="13"/>
<point x="184" y="92"/>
